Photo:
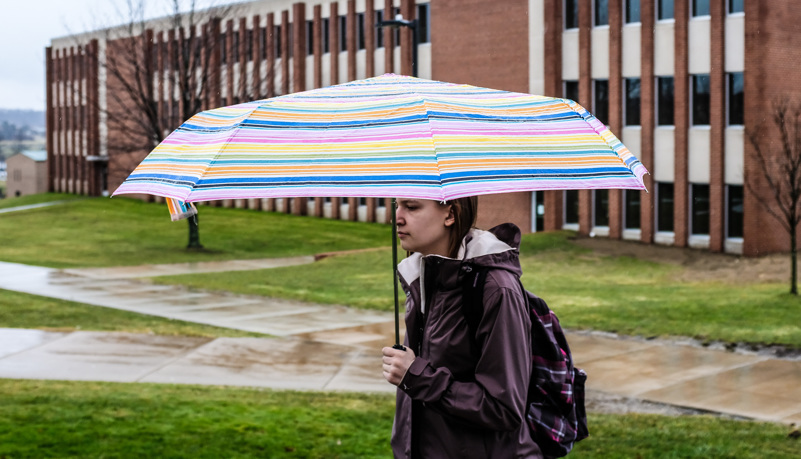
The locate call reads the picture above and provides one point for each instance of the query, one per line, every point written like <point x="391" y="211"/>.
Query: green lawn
<point x="20" y="310"/>
<point x="122" y="231"/>
<point x="588" y="291"/>
<point x="88" y="419"/>
<point x="36" y="199"/>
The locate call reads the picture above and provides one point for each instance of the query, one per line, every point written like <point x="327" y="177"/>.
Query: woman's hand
<point x="396" y="363"/>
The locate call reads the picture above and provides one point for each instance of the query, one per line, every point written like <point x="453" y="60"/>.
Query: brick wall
<point x="772" y="54"/>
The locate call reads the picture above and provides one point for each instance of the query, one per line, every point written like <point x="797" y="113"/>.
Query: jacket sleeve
<point x="496" y="399"/>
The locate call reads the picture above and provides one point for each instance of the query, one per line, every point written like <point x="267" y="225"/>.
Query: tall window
<point x="664" y="101"/>
<point x="343" y="33"/>
<point x="736" y="6"/>
<point x="664" y="206"/>
<point x="665" y="10"/>
<point x="423" y="20"/>
<point x="632" y="11"/>
<point x="700" y="100"/>
<point x="263" y="38"/>
<point x="309" y="37"/>
<point x="249" y="45"/>
<point x="601" y="13"/>
<point x="360" y="31"/>
<point x="236" y="46"/>
<point x="379" y="31"/>
<point x="571" y="207"/>
<point x="601" y="100"/>
<point x="601" y="207"/>
<point x="734" y="211"/>
<point x="223" y="48"/>
<point x="277" y="36"/>
<point x="632" y="209"/>
<point x="699" y="209"/>
<point x="736" y="100"/>
<point x="571" y="14"/>
<point x="700" y="8"/>
<point x="571" y="90"/>
<point x="632" y="88"/>
<point x="326" y="37"/>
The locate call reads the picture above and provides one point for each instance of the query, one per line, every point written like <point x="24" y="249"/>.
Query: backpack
<point x="555" y="406"/>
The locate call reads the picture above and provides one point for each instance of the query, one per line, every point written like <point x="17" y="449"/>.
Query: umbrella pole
<point x="397" y="345"/>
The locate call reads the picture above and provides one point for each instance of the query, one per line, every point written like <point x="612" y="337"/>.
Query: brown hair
<point x="464" y="211"/>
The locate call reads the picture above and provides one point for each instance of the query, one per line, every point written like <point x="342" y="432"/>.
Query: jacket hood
<point x="497" y="248"/>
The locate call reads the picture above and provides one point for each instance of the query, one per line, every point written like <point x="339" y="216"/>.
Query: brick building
<point x="681" y="82"/>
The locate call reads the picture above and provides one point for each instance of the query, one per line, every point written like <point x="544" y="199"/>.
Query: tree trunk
<point x="194" y="235"/>
<point x="793" y="263"/>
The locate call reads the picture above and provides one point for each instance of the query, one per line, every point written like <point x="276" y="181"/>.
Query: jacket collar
<point x="487" y="248"/>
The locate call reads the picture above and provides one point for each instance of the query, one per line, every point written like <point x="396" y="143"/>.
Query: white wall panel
<point x="536" y="46"/>
<point x="664" y="154"/>
<point x="698" y="37"/>
<point x="734" y="155"/>
<point x="631" y="136"/>
<point x="664" y="49"/>
<point x="600" y="52"/>
<point x="570" y="55"/>
<point x="698" y="156"/>
<point x="631" y="50"/>
<point x="735" y="43"/>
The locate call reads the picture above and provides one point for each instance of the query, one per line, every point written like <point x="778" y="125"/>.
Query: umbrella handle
<point x="397" y="344"/>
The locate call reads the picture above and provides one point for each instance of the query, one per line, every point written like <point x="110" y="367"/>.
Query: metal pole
<point x="397" y="345"/>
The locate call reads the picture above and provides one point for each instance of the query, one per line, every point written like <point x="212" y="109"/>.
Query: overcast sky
<point x="26" y="28"/>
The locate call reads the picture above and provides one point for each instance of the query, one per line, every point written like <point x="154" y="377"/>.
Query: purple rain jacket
<point x="457" y="401"/>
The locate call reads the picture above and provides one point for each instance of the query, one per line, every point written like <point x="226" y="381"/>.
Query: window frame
<point x="729" y="98"/>
<point x="595" y="207"/>
<point x="565" y="5"/>
<point x="729" y="212"/>
<point x="660" y="188"/>
<point x="693" y="97"/>
<point x="626" y="196"/>
<point x="626" y="110"/>
<point x="595" y="110"/>
<point x="694" y="187"/>
<point x="659" y="104"/>
<point x="595" y="9"/>
<point x="658" y="11"/>
<point x="693" y="14"/>
<point x="626" y="12"/>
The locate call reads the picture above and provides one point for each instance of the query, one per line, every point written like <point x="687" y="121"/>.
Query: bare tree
<point x="156" y="81"/>
<point x="780" y="164"/>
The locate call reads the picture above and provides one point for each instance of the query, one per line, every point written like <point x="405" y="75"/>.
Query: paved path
<point x="337" y="348"/>
<point x="36" y="206"/>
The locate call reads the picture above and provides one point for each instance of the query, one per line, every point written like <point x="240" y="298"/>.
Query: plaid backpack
<point x="555" y="413"/>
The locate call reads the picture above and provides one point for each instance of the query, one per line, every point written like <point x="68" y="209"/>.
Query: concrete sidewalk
<point x="338" y="348"/>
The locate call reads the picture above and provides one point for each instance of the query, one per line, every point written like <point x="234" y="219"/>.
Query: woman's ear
<point x="451" y="218"/>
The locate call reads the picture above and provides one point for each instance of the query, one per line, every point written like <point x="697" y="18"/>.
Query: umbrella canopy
<point x="387" y="136"/>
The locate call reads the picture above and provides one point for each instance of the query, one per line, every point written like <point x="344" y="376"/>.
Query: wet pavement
<point x="337" y="348"/>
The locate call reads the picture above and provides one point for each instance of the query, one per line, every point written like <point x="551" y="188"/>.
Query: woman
<point x="459" y="395"/>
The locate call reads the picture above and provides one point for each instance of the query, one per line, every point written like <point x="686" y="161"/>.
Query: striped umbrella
<point x="386" y="136"/>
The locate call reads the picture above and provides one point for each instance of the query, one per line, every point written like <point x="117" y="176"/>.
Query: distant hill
<point x="33" y="119"/>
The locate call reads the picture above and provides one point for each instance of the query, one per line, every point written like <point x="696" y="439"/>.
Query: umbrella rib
<point x="234" y="130"/>
<point x="433" y="143"/>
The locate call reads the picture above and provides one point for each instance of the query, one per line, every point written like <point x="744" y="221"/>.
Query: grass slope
<point x="124" y="232"/>
<point x="588" y="291"/>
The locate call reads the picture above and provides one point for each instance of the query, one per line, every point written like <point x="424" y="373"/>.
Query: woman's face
<point x="424" y="226"/>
